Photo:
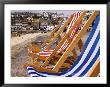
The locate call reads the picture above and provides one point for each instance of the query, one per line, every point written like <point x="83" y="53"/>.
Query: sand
<point x="19" y="55"/>
<point x="24" y="38"/>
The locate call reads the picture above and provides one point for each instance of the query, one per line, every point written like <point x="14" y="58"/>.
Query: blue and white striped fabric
<point x="85" y="61"/>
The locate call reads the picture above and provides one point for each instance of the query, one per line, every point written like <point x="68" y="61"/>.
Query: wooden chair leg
<point x="80" y="45"/>
<point x="74" y="54"/>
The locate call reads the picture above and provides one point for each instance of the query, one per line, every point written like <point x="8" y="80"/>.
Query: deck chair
<point x="71" y="32"/>
<point x="88" y="62"/>
<point x="33" y="48"/>
<point x="53" y="33"/>
<point x="48" y="38"/>
<point x="46" y="52"/>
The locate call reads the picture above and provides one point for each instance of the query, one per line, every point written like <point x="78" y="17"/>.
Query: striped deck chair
<point x="87" y="61"/>
<point x="54" y="31"/>
<point x="47" y="53"/>
<point x="52" y="53"/>
<point x="57" y="40"/>
<point x="70" y="49"/>
<point x="33" y="48"/>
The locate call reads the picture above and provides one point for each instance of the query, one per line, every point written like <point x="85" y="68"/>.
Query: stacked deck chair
<point x="87" y="63"/>
<point x="44" y="45"/>
<point x="59" y="37"/>
<point x="45" y="53"/>
<point x="53" y="56"/>
<point x="33" y="48"/>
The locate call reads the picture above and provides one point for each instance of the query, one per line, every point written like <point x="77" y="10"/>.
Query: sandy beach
<point x="24" y="38"/>
<point x="19" y="55"/>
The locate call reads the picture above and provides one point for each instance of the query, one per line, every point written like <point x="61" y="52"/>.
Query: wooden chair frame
<point x="36" y="49"/>
<point x="80" y="45"/>
<point x="65" y="64"/>
<point x="63" y="58"/>
<point x="65" y="37"/>
<point x="55" y="36"/>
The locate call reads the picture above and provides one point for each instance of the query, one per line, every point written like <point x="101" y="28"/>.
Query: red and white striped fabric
<point x="66" y="43"/>
<point x="47" y="53"/>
